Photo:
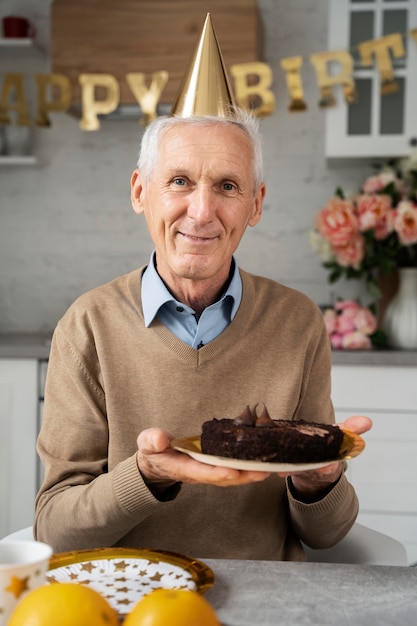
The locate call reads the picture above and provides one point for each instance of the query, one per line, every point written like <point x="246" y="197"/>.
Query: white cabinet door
<point x="377" y="388"/>
<point x="384" y="475"/>
<point x="377" y="125"/>
<point x="18" y="431"/>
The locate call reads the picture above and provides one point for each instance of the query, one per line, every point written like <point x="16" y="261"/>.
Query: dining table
<point x="281" y="593"/>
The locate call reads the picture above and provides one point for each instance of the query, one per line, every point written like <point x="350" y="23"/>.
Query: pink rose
<point x="347" y="305"/>
<point x="405" y="222"/>
<point x="356" y="341"/>
<point x="337" y="221"/>
<point x="347" y="311"/>
<point x="330" y="321"/>
<point x="375" y="212"/>
<point x="345" y="324"/>
<point x="352" y="252"/>
<point x="365" y="321"/>
<point x="349" y="325"/>
<point x="373" y="184"/>
<point x="336" y="341"/>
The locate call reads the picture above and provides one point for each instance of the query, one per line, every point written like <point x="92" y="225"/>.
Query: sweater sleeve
<point x="322" y="524"/>
<point x="81" y="502"/>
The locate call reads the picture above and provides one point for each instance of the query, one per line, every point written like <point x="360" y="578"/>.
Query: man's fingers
<point x="153" y="441"/>
<point x="357" y="423"/>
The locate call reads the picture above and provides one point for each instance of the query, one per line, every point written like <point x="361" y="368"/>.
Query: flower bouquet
<point x="351" y="326"/>
<point x="375" y="230"/>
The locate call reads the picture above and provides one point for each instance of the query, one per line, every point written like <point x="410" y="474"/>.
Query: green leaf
<point x="379" y="339"/>
<point x="335" y="275"/>
<point x="373" y="289"/>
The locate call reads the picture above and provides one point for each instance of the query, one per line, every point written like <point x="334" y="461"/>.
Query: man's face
<point x="199" y="200"/>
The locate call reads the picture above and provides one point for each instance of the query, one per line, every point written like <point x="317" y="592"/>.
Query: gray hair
<point x="149" y="150"/>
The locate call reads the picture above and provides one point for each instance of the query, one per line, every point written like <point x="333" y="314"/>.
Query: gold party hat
<point x="205" y="88"/>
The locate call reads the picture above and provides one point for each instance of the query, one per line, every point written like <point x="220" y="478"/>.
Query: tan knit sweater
<point x="109" y="378"/>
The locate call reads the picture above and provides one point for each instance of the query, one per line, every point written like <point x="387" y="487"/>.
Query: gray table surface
<point x="275" y="593"/>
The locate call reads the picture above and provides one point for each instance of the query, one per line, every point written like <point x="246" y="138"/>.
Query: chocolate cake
<point x="259" y="438"/>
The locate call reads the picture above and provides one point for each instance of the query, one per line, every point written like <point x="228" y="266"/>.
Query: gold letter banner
<point x="291" y="67"/>
<point x="381" y="48"/>
<point x="327" y="81"/>
<point x="44" y="105"/>
<point x="147" y="98"/>
<point x="91" y="107"/>
<point x="247" y="93"/>
<point x="14" y="83"/>
<point x="252" y="83"/>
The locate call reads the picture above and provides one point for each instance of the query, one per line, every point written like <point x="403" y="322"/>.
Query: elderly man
<point x="156" y="352"/>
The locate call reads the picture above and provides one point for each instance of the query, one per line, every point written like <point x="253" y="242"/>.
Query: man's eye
<point x="179" y="181"/>
<point x="229" y="187"/>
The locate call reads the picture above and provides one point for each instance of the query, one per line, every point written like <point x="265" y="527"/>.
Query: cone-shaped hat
<point x="205" y="88"/>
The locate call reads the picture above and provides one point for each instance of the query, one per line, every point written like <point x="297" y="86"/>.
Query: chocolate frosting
<point x="247" y="418"/>
<point x="259" y="416"/>
<point x="264" y="418"/>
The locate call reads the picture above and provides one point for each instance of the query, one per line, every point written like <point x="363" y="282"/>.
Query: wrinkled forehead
<point x="215" y="151"/>
<point x="225" y="142"/>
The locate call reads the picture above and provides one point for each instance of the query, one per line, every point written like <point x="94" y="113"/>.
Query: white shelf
<point x="28" y="159"/>
<point x="19" y="47"/>
<point x="20" y="42"/>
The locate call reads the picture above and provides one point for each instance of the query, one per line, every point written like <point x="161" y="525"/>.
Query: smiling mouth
<point x="197" y="239"/>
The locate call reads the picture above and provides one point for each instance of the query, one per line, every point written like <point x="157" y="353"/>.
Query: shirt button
<point x="180" y="309"/>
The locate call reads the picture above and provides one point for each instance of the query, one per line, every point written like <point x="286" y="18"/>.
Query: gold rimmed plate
<point x="352" y="446"/>
<point x="124" y="575"/>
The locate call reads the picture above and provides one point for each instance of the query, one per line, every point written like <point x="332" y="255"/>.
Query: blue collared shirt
<point x="181" y="319"/>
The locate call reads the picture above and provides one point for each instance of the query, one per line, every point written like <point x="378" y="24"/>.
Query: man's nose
<point x="202" y="206"/>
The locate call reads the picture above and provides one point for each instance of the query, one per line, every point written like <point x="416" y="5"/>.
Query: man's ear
<point x="257" y="206"/>
<point x="136" y="189"/>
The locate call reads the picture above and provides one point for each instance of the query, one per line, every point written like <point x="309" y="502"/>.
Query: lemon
<point x="63" y="604"/>
<point x="173" y="607"/>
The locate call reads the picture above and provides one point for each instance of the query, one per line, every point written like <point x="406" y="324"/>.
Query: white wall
<point x="67" y="225"/>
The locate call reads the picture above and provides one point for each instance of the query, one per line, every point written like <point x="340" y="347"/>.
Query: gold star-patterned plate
<point x="124" y="575"/>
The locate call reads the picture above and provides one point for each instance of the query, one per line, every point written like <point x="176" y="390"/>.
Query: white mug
<point x="23" y="567"/>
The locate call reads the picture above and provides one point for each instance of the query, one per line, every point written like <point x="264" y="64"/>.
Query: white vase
<point x="400" y="319"/>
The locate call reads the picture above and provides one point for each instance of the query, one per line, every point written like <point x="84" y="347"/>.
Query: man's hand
<point x="312" y="485"/>
<point x="358" y="424"/>
<point x="160" y="465"/>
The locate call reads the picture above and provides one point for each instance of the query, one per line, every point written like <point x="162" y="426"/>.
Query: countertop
<point x="25" y="345"/>
<point x="272" y="593"/>
<point x="33" y="345"/>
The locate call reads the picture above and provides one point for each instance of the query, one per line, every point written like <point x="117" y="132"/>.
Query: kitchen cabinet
<point x="384" y="475"/>
<point x="18" y="432"/>
<point x="380" y="126"/>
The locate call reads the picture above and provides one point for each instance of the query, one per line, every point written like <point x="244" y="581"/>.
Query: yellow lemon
<point x="176" y="607"/>
<point x="63" y="604"/>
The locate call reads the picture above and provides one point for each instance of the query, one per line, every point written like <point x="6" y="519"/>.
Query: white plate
<point x="123" y="576"/>
<point x="353" y="445"/>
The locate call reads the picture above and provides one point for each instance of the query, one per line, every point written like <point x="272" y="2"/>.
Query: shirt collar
<point x="155" y="294"/>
